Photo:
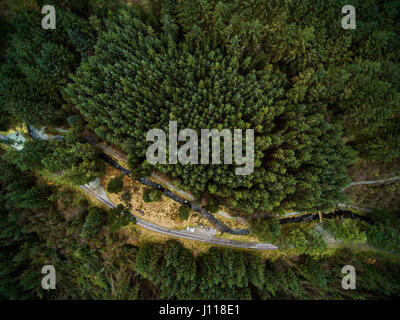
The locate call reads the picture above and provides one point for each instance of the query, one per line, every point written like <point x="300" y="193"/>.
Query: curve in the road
<point x="207" y="215"/>
<point x="187" y="234"/>
<point x="110" y="152"/>
<point x="203" y="238"/>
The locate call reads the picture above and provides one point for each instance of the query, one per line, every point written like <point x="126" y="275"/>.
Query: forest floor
<point x="363" y="169"/>
<point x="187" y="234"/>
<point x="333" y="243"/>
<point x="163" y="212"/>
<point x="381" y="195"/>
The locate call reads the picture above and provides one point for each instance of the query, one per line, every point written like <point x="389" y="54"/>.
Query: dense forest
<point x="313" y="92"/>
<point x="282" y="68"/>
<point x="317" y="96"/>
<point x="42" y="224"/>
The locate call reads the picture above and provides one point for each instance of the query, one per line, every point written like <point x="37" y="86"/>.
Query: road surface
<point x="187" y="234"/>
<point x="200" y="237"/>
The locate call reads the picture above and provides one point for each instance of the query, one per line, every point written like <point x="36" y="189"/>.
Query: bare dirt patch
<point x="364" y="169"/>
<point x="381" y="197"/>
<point x="163" y="212"/>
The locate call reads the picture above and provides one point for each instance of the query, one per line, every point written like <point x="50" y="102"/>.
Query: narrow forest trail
<point x="332" y="242"/>
<point x="379" y="181"/>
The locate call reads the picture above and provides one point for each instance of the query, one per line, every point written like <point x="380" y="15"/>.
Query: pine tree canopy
<point x="207" y="74"/>
<point x="38" y="65"/>
<point x="204" y="74"/>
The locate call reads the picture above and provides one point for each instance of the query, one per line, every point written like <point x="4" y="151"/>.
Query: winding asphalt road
<point x="180" y="233"/>
<point x="186" y="234"/>
<point x="200" y="237"/>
